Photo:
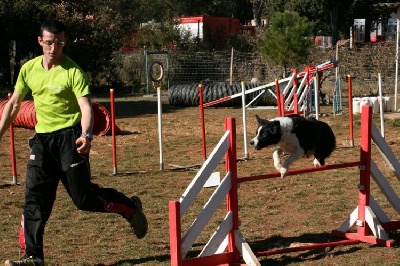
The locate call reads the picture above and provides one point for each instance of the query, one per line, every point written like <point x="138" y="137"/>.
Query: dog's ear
<point x="275" y="127"/>
<point x="259" y="120"/>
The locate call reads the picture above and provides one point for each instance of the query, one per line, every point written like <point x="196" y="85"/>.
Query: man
<point x="60" y="148"/>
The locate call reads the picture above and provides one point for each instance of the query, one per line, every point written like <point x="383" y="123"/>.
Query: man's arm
<point x="10" y="111"/>
<point x="85" y="103"/>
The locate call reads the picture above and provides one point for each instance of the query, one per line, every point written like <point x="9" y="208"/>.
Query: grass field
<point x="274" y="213"/>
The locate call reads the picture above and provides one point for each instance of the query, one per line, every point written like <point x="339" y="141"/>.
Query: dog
<point x="297" y="136"/>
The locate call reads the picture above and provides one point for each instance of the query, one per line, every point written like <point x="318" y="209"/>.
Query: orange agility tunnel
<point x="26" y="118"/>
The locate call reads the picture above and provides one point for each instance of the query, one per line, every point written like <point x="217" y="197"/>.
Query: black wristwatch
<point x="89" y="136"/>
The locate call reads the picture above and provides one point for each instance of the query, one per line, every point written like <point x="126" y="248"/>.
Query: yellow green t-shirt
<point x="55" y="92"/>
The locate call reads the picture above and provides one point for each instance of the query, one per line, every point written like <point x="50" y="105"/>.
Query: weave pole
<point x="114" y="146"/>
<point x="203" y="127"/>
<point x="350" y="104"/>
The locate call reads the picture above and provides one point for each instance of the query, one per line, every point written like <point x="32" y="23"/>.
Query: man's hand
<point x="83" y="145"/>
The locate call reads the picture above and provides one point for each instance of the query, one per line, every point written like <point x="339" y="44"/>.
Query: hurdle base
<point x="365" y="239"/>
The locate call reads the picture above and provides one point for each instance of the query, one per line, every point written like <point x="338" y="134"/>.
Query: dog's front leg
<point x="316" y="163"/>
<point x="277" y="159"/>
<point x="298" y="153"/>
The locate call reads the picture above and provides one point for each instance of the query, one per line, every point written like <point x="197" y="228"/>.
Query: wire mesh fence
<point x="230" y="67"/>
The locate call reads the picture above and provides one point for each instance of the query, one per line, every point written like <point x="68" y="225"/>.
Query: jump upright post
<point x="227" y="246"/>
<point x="12" y="150"/>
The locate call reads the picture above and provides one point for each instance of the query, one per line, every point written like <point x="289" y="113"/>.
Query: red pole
<point x="232" y="197"/>
<point x="350" y="96"/>
<point x="282" y="104"/>
<point x="278" y="96"/>
<point x="203" y="130"/>
<point x="300" y="171"/>
<point x="365" y="169"/>
<point x="296" y="103"/>
<point x="114" y="148"/>
<point x="175" y="237"/>
<point x="295" y="96"/>
<point x="308" y="107"/>
<point x="12" y="148"/>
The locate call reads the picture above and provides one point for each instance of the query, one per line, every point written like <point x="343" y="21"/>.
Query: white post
<point x="246" y="152"/>
<point x="335" y="89"/>
<point x="160" y="127"/>
<point x="397" y="57"/>
<point x="231" y="70"/>
<point x="351" y="37"/>
<point x="381" y="105"/>
<point x="316" y="94"/>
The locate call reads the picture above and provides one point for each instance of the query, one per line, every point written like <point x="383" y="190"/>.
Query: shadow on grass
<point x="311" y="255"/>
<point x="277" y="242"/>
<point x="125" y="109"/>
<point x="160" y="258"/>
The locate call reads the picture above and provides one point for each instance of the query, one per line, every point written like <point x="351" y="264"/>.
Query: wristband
<point x="88" y="136"/>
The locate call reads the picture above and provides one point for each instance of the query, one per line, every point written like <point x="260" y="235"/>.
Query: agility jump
<point x="228" y="246"/>
<point x="288" y="99"/>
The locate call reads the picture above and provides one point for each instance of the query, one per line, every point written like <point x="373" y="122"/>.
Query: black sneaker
<point x="138" y="220"/>
<point x="25" y="261"/>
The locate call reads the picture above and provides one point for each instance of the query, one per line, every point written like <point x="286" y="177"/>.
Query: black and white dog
<point x="297" y="136"/>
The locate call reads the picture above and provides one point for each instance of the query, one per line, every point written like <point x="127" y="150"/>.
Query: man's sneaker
<point x="138" y="220"/>
<point x="26" y="261"/>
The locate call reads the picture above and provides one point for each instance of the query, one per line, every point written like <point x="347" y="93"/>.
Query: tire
<point x="156" y="74"/>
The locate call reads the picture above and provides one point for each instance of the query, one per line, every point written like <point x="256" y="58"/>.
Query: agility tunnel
<point x="225" y="94"/>
<point x="188" y="95"/>
<point x="367" y="223"/>
<point x="26" y="118"/>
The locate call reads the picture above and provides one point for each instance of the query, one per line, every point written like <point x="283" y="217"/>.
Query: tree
<point x="324" y="14"/>
<point x="95" y="28"/>
<point x="287" y="41"/>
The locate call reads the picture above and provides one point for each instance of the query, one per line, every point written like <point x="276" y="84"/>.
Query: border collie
<point x="296" y="136"/>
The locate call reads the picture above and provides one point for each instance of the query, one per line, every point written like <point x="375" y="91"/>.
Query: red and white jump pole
<point x="228" y="247"/>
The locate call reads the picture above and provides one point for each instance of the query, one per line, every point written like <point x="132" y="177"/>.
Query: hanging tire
<point x="156" y="71"/>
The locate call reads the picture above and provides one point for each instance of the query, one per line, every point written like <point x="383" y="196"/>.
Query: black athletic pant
<point x="53" y="158"/>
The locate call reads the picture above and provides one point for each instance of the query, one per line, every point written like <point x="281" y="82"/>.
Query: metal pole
<point x="397" y="59"/>
<point x="246" y="151"/>
<point x="147" y="73"/>
<point x="114" y="145"/>
<point x="231" y="70"/>
<point x="160" y="128"/>
<point x="381" y="105"/>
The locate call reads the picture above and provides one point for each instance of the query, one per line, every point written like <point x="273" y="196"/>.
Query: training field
<point x="274" y="213"/>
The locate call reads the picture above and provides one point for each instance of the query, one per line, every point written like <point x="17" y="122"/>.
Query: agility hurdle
<point x="293" y="95"/>
<point x="227" y="246"/>
<point x="289" y="98"/>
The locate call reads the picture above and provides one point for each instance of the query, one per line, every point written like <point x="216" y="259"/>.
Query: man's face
<point x="52" y="44"/>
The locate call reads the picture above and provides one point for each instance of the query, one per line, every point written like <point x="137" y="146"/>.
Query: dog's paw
<point x="316" y="163"/>
<point x="283" y="172"/>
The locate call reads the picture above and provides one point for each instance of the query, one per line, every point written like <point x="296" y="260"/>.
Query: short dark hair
<point x="53" y="26"/>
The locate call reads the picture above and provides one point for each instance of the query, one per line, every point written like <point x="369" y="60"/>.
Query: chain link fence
<point x="232" y="67"/>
